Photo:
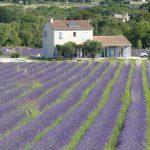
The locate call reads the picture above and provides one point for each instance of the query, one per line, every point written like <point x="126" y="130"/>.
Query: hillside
<point x="22" y="25"/>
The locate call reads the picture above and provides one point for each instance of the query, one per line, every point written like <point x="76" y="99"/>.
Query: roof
<point x="115" y="40"/>
<point x="64" y="24"/>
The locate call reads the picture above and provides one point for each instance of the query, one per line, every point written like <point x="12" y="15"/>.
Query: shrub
<point x="15" y="55"/>
<point x="1" y="53"/>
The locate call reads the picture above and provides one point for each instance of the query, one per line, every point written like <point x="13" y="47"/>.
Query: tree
<point x="60" y="51"/>
<point x="139" y="44"/>
<point x="143" y="29"/>
<point x="92" y="47"/>
<point x="9" y="35"/>
<point x="24" y="2"/>
<point x="69" y="49"/>
<point x="26" y="38"/>
<point x="9" y="14"/>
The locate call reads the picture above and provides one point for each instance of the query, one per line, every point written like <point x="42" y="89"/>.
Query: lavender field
<point x="75" y="105"/>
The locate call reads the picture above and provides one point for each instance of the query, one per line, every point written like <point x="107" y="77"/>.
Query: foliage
<point x="30" y="110"/>
<point x="69" y="49"/>
<point x="60" y="51"/>
<point x="139" y="44"/>
<point x="15" y="55"/>
<point x="139" y="34"/>
<point x="92" y="47"/>
<point x="22" y="26"/>
<point x="1" y="53"/>
<point x="8" y="35"/>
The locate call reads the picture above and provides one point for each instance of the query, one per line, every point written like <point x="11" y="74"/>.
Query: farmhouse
<point x="123" y="18"/>
<point x="62" y="31"/>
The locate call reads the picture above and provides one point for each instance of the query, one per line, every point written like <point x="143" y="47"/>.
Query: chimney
<point x="50" y="19"/>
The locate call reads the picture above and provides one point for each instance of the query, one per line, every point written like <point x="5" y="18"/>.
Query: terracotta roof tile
<point x="115" y="40"/>
<point x="62" y="24"/>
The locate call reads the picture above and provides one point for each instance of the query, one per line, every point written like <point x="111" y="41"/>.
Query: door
<point x="125" y="52"/>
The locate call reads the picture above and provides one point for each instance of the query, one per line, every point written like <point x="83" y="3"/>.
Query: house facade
<point x="62" y="31"/>
<point x="123" y="18"/>
<point x="59" y="32"/>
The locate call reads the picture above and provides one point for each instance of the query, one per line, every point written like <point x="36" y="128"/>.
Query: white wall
<point x="48" y="42"/>
<point x="81" y="36"/>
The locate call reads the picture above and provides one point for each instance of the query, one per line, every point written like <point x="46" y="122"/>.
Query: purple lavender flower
<point x="60" y="136"/>
<point x="133" y="133"/>
<point x="97" y="136"/>
<point x="29" y="131"/>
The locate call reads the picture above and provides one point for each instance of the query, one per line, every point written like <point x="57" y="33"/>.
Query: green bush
<point x="15" y="55"/>
<point x="1" y="53"/>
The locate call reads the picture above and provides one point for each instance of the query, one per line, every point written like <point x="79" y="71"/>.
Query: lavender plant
<point x="105" y="122"/>
<point x="35" y="124"/>
<point x="73" y="121"/>
<point x="82" y="90"/>
<point x="126" y="100"/>
<point x="145" y="78"/>
<point x="134" y="132"/>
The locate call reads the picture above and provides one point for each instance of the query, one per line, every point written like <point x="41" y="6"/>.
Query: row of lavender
<point x="49" y="80"/>
<point x="71" y="111"/>
<point x="9" y="100"/>
<point x="132" y="136"/>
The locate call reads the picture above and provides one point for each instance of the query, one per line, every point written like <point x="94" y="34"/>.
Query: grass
<point x="93" y="115"/>
<point x="58" y="120"/>
<point x="126" y="100"/>
<point x="35" y="85"/>
<point x="31" y="110"/>
<point x="147" y="98"/>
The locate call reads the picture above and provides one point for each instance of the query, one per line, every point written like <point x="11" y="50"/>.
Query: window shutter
<point x="60" y="35"/>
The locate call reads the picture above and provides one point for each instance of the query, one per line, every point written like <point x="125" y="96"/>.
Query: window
<point x="45" y="34"/>
<point x="74" y="34"/>
<point x="61" y="35"/>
